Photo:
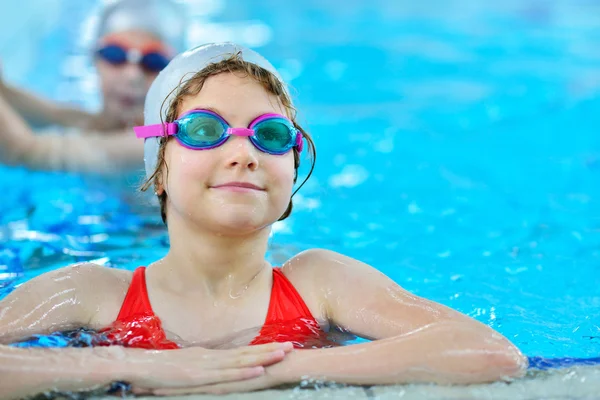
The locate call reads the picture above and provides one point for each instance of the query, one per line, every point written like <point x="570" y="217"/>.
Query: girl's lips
<point x="238" y="187"/>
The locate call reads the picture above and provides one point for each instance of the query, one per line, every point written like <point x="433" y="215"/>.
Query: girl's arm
<point x="63" y="299"/>
<point x="57" y="301"/>
<point x="415" y="340"/>
<point x="81" y="296"/>
<point x="27" y="372"/>
<point x="443" y="353"/>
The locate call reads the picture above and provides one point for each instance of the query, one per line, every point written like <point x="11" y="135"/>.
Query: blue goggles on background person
<point x="152" y="59"/>
<point x="203" y="129"/>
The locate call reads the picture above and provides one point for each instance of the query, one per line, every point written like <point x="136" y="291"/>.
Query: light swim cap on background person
<point x="163" y="18"/>
<point x="182" y="67"/>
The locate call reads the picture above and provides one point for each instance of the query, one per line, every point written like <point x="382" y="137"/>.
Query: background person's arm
<point x="93" y="153"/>
<point x="39" y="110"/>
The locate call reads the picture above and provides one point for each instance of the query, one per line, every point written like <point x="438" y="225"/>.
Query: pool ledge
<point x="576" y="383"/>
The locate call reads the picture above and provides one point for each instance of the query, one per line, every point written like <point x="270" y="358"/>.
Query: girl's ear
<point x="159" y="188"/>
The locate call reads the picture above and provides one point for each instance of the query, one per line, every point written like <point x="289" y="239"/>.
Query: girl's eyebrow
<point x="205" y="108"/>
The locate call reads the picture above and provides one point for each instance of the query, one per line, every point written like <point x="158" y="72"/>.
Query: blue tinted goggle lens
<point x="154" y="62"/>
<point x="113" y="54"/>
<point x="273" y="135"/>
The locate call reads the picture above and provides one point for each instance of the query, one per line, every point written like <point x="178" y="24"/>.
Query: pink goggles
<point x="204" y="129"/>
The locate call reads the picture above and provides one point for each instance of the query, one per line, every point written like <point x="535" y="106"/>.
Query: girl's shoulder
<point x="316" y="263"/>
<point x="312" y="272"/>
<point x="82" y="295"/>
<point x="103" y="290"/>
<point x="90" y="275"/>
<point x="81" y="276"/>
<point x="320" y="272"/>
<point x="96" y="290"/>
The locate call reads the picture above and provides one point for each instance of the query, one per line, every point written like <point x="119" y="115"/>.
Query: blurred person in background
<point x="134" y="41"/>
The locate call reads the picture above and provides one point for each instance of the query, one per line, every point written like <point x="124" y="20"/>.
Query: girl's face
<point x="206" y="187"/>
<point x="124" y="86"/>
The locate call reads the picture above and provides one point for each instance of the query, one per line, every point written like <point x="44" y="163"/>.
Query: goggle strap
<point x="299" y="142"/>
<point x="156" y="130"/>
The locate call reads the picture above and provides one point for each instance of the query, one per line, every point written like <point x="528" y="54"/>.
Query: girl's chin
<point x="241" y="226"/>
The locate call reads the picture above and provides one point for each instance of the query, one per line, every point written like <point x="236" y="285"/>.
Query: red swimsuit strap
<point x="136" y="300"/>
<point x="286" y="303"/>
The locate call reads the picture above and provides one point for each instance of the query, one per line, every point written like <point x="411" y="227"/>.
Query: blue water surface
<point x="458" y="152"/>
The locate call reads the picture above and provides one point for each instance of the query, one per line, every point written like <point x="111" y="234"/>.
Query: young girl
<point x="135" y="39"/>
<point x="223" y="165"/>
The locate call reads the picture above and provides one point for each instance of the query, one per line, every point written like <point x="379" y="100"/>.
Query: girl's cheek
<point x="192" y="164"/>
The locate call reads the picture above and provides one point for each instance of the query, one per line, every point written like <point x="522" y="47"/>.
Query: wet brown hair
<point x="193" y="85"/>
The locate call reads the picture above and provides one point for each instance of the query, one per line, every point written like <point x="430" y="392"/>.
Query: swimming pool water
<point x="458" y="152"/>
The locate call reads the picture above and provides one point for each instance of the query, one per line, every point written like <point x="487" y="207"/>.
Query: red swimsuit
<point x="288" y="318"/>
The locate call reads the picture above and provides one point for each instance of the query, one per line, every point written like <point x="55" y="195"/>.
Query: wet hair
<point x="193" y="86"/>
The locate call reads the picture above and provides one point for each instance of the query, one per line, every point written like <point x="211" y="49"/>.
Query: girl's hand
<point x="263" y="381"/>
<point x="195" y="367"/>
<point x="281" y="373"/>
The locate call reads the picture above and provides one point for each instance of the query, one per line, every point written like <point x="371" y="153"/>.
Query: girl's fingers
<point x="247" y="360"/>
<point x="197" y="369"/>
<point x="248" y="385"/>
<point x="198" y="379"/>
<point x="228" y="375"/>
<point x="267" y="348"/>
<point x="252" y="360"/>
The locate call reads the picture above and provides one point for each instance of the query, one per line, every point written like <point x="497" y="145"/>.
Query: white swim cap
<point x="163" y="18"/>
<point x="162" y="92"/>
